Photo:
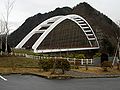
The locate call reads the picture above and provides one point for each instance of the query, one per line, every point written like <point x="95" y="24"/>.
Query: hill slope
<point x="105" y="29"/>
<point x="32" y="22"/>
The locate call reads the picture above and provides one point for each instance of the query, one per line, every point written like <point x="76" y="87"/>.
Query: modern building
<point x="61" y="33"/>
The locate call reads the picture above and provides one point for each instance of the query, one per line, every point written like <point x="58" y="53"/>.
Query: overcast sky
<point x="25" y="8"/>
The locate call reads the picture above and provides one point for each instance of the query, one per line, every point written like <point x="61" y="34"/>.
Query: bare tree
<point x="8" y="6"/>
<point x="118" y="61"/>
<point x="2" y="31"/>
<point x="1" y="36"/>
<point x="117" y="53"/>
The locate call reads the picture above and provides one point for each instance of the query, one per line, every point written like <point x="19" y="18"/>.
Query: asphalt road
<point x="28" y="82"/>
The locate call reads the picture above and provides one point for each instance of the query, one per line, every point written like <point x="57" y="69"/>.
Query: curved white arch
<point x="28" y="36"/>
<point x="81" y="22"/>
<point x="70" y="17"/>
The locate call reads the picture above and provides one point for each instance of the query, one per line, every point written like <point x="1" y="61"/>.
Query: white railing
<point x="82" y="61"/>
<point x="72" y="60"/>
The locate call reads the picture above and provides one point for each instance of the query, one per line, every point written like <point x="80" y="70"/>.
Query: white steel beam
<point x="56" y="20"/>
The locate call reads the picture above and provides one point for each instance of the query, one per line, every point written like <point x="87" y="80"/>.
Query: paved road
<point x="28" y="82"/>
<point x="3" y="78"/>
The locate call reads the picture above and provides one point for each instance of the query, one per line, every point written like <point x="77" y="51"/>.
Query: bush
<point x="97" y="55"/>
<point x="62" y="64"/>
<point x="46" y="65"/>
<point x="106" y="64"/>
<point x="80" y="56"/>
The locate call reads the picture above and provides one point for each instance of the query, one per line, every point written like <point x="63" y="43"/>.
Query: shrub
<point x="46" y="65"/>
<point x="62" y="64"/>
<point x="97" y="55"/>
<point x="106" y="64"/>
<point x="80" y="56"/>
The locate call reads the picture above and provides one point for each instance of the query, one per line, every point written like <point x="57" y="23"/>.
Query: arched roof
<point x="51" y="23"/>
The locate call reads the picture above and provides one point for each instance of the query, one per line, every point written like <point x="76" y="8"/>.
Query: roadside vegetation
<point x="23" y="51"/>
<point x="13" y="64"/>
<point x="18" y="62"/>
<point x="54" y="64"/>
<point x="51" y="67"/>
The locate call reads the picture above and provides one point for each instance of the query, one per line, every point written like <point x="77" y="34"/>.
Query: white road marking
<point x="3" y="78"/>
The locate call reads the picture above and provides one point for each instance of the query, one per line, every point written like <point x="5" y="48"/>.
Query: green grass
<point x="30" y="52"/>
<point x="18" y="62"/>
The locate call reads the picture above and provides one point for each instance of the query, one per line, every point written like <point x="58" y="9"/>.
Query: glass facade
<point x="32" y="40"/>
<point x="67" y="34"/>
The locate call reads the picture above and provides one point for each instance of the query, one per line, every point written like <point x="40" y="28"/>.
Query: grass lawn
<point x="98" y="70"/>
<point x="23" y="51"/>
<point x="18" y="62"/>
<point x="22" y="65"/>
